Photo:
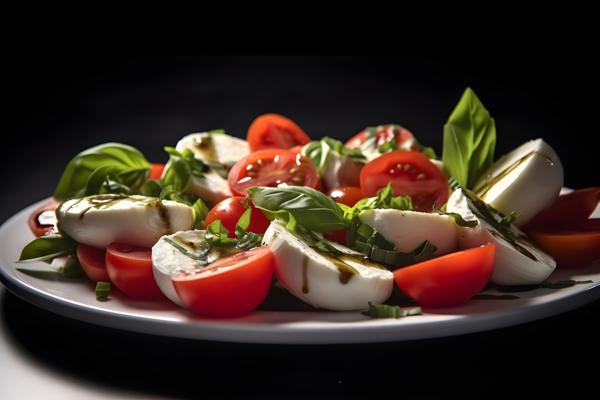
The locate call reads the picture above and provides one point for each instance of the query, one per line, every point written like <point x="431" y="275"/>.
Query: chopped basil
<point x="386" y="311"/>
<point x="459" y="220"/>
<point x="544" y="285"/>
<point x="200" y="212"/>
<point x="469" y="140"/>
<point x="318" y="152"/>
<point x="102" y="291"/>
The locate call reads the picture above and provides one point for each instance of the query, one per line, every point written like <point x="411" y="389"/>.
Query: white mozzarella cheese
<point x="215" y="147"/>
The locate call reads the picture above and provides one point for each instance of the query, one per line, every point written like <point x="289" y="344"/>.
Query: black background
<point x="60" y="104"/>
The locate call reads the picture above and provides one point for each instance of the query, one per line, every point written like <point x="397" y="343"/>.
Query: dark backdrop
<point x="59" y="104"/>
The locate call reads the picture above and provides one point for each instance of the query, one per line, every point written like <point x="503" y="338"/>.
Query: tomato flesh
<point x="92" y="261"/>
<point x="229" y="212"/>
<point x="569" y="211"/>
<point x="348" y="195"/>
<point x="42" y="220"/>
<point x="270" y="168"/>
<point x="411" y="174"/>
<point x="449" y="280"/>
<point x="383" y="134"/>
<point x="570" y="249"/>
<point x="230" y="287"/>
<point x="156" y="170"/>
<point x="275" y="131"/>
<point x="130" y="270"/>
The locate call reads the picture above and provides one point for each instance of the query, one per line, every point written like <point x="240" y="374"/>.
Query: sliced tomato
<point x="230" y="287"/>
<point x="42" y="220"/>
<point x="348" y="195"/>
<point x="411" y="174"/>
<point x="156" y="170"/>
<point x="383" y="134"/>
<point x="570" y="249"/>
<point x="92" y="260"/>
<point x="269" y="131"/>
<point x="229" y="212"/>
<point x="569" y="211"/>
<point x="297" y="149"/>
<point x="270" y="168"/>
<point x="130" y="270"/>
<point x="449" y="280"/>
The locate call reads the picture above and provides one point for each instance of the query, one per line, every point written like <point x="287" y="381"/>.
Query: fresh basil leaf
<point x="102" y="291"/>
<point x="469" y="140"/>
<point x="219" y="131"/>
<point x="200" y="212"/>
<point x="387" y="311"/>
<point x="510" y="218"/>
<point x="384" y="199"/>
<point x="47" y="248"/>
<point x="217" y="234"/>
<point x="319" y="152"/>
<point x="390" y="145"/>
<point x="304" y="206"/>
<point x="249" y="240"/>
<point x="152" y="188"/>
<point x="458" y="219"/>
<point x="177" y="174"/>
<point x="122" y="158"/>
<point x="243" y="222"/>
<point x="428" y="151"/>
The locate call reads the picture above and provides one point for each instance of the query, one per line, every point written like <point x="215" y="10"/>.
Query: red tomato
<point x="269" y="168"/>
<point x="337" y="236"/>
<point x="348" y="195"/>
<point x="156" y="170"/>
<point x="569" y="211"/>
<point x="229" y="212"/>
<point x="383" y="134"/>
<point x="92" y="260"/>
<point x="448" y="280"/>
<point x="411" y="174"/>
<point x="230" y="287"/>
<point x="297" y="149"/>
<point x="130" y="269"/>
<point x="570" y="249"/>
<point x="269" y="131"/>
<point x="43" y="221"/>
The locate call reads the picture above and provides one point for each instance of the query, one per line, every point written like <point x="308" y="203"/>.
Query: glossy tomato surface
<point x="229" y="212"/>
<point x="270" y="168"/>
<point x="230" y="287"/>
<point x="348" y="195"/>
<point x="449" y="280"/>
<point x="130" y="270"/>
<point x="92" y="261"/>
<point x="383" y="134"/>
<point x="156" y="170"/>
<point x="569" y="211"/>
<point x="411" y="174"/>
<point x="275" y="131"/>
<point x="570" y="249"/>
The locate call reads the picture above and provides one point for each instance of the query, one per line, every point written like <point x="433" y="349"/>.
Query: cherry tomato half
<point x="229" y="212"/>
<point x="411" y="174"/>
<point x="230" y="287"/>
<point x="93" y="262"/>
<point x="269" y="168"/>
<point x="130" y="269"/>
<point x="448" y="280"/>
<point x="570" y="249"/>
<point x="42" y="220"/>
<point x="348" y="195"/>
<point x="383" y="134"/>
<point x="156" y="170"/>
<point x="569" y="211"/>
<point x="269" y="131"/>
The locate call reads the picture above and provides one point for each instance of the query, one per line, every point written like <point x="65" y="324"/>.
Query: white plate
<point x="76" y="299"/>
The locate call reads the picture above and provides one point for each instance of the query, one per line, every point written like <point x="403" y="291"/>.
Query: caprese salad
<point x="340" y="226"/>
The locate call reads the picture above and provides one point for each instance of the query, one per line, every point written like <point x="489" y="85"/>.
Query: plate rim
<point x="324" y="333"/>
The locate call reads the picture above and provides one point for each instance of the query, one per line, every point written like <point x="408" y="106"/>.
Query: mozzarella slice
<point x="137" y="220"/>
<point x="408" y="229"/>
<point x="211" y="187"/>
<point x="347" y="282"/>
<point x="175" y="254"/>
<point x="341" y="171"/>
<point x="517" y="263"/>
<point x="215" y="147"/>
<point x="526" y="180"/>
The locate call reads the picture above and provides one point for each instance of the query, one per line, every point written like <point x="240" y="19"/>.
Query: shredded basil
<point x="387" y="311"/>
<point x="102" y="291"/>
<point x="319" y="151"/>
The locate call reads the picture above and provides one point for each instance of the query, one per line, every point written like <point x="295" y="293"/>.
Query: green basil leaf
<point x="216" y="234"/>
<point x="177" y="174"/>
<point x="243" y="222"/>
<point x="102" y="291"/>
<point x="319" y="152"/>
<point x="200" y="212"/>
<point x="469" y="140"/>
<point x="152" y="188"/>
<point x="459" y="220"/>
<point x="308" y="207"/>
<point x="47" y="248"/>
<point x="510" y="218"/>
<point x="249" y="240"/>
<point x="387" y="311"/>
<point x="121" y="157"/>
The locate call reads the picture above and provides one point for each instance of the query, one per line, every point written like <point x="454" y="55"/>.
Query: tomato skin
<point x="297" y="149"/>
<point x="570" y="249"/>
<point x="34" y="225"/>
<point x="411" y="174"/>
<point x="269" y="168"/>
<point x="449" y="280"/>
<point x="229" y="212"/>
<point x="384" y="133"/>
<point x="348" y="195"/>
<point x="337" y="236"/>
<point x="229" y="292"/>
<point x="156" y="170"/>
<point x="269" y="131"/>
<point x="569" y="211"/>
<point x="92" y="261"/>
<point x="130" y="270"/>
